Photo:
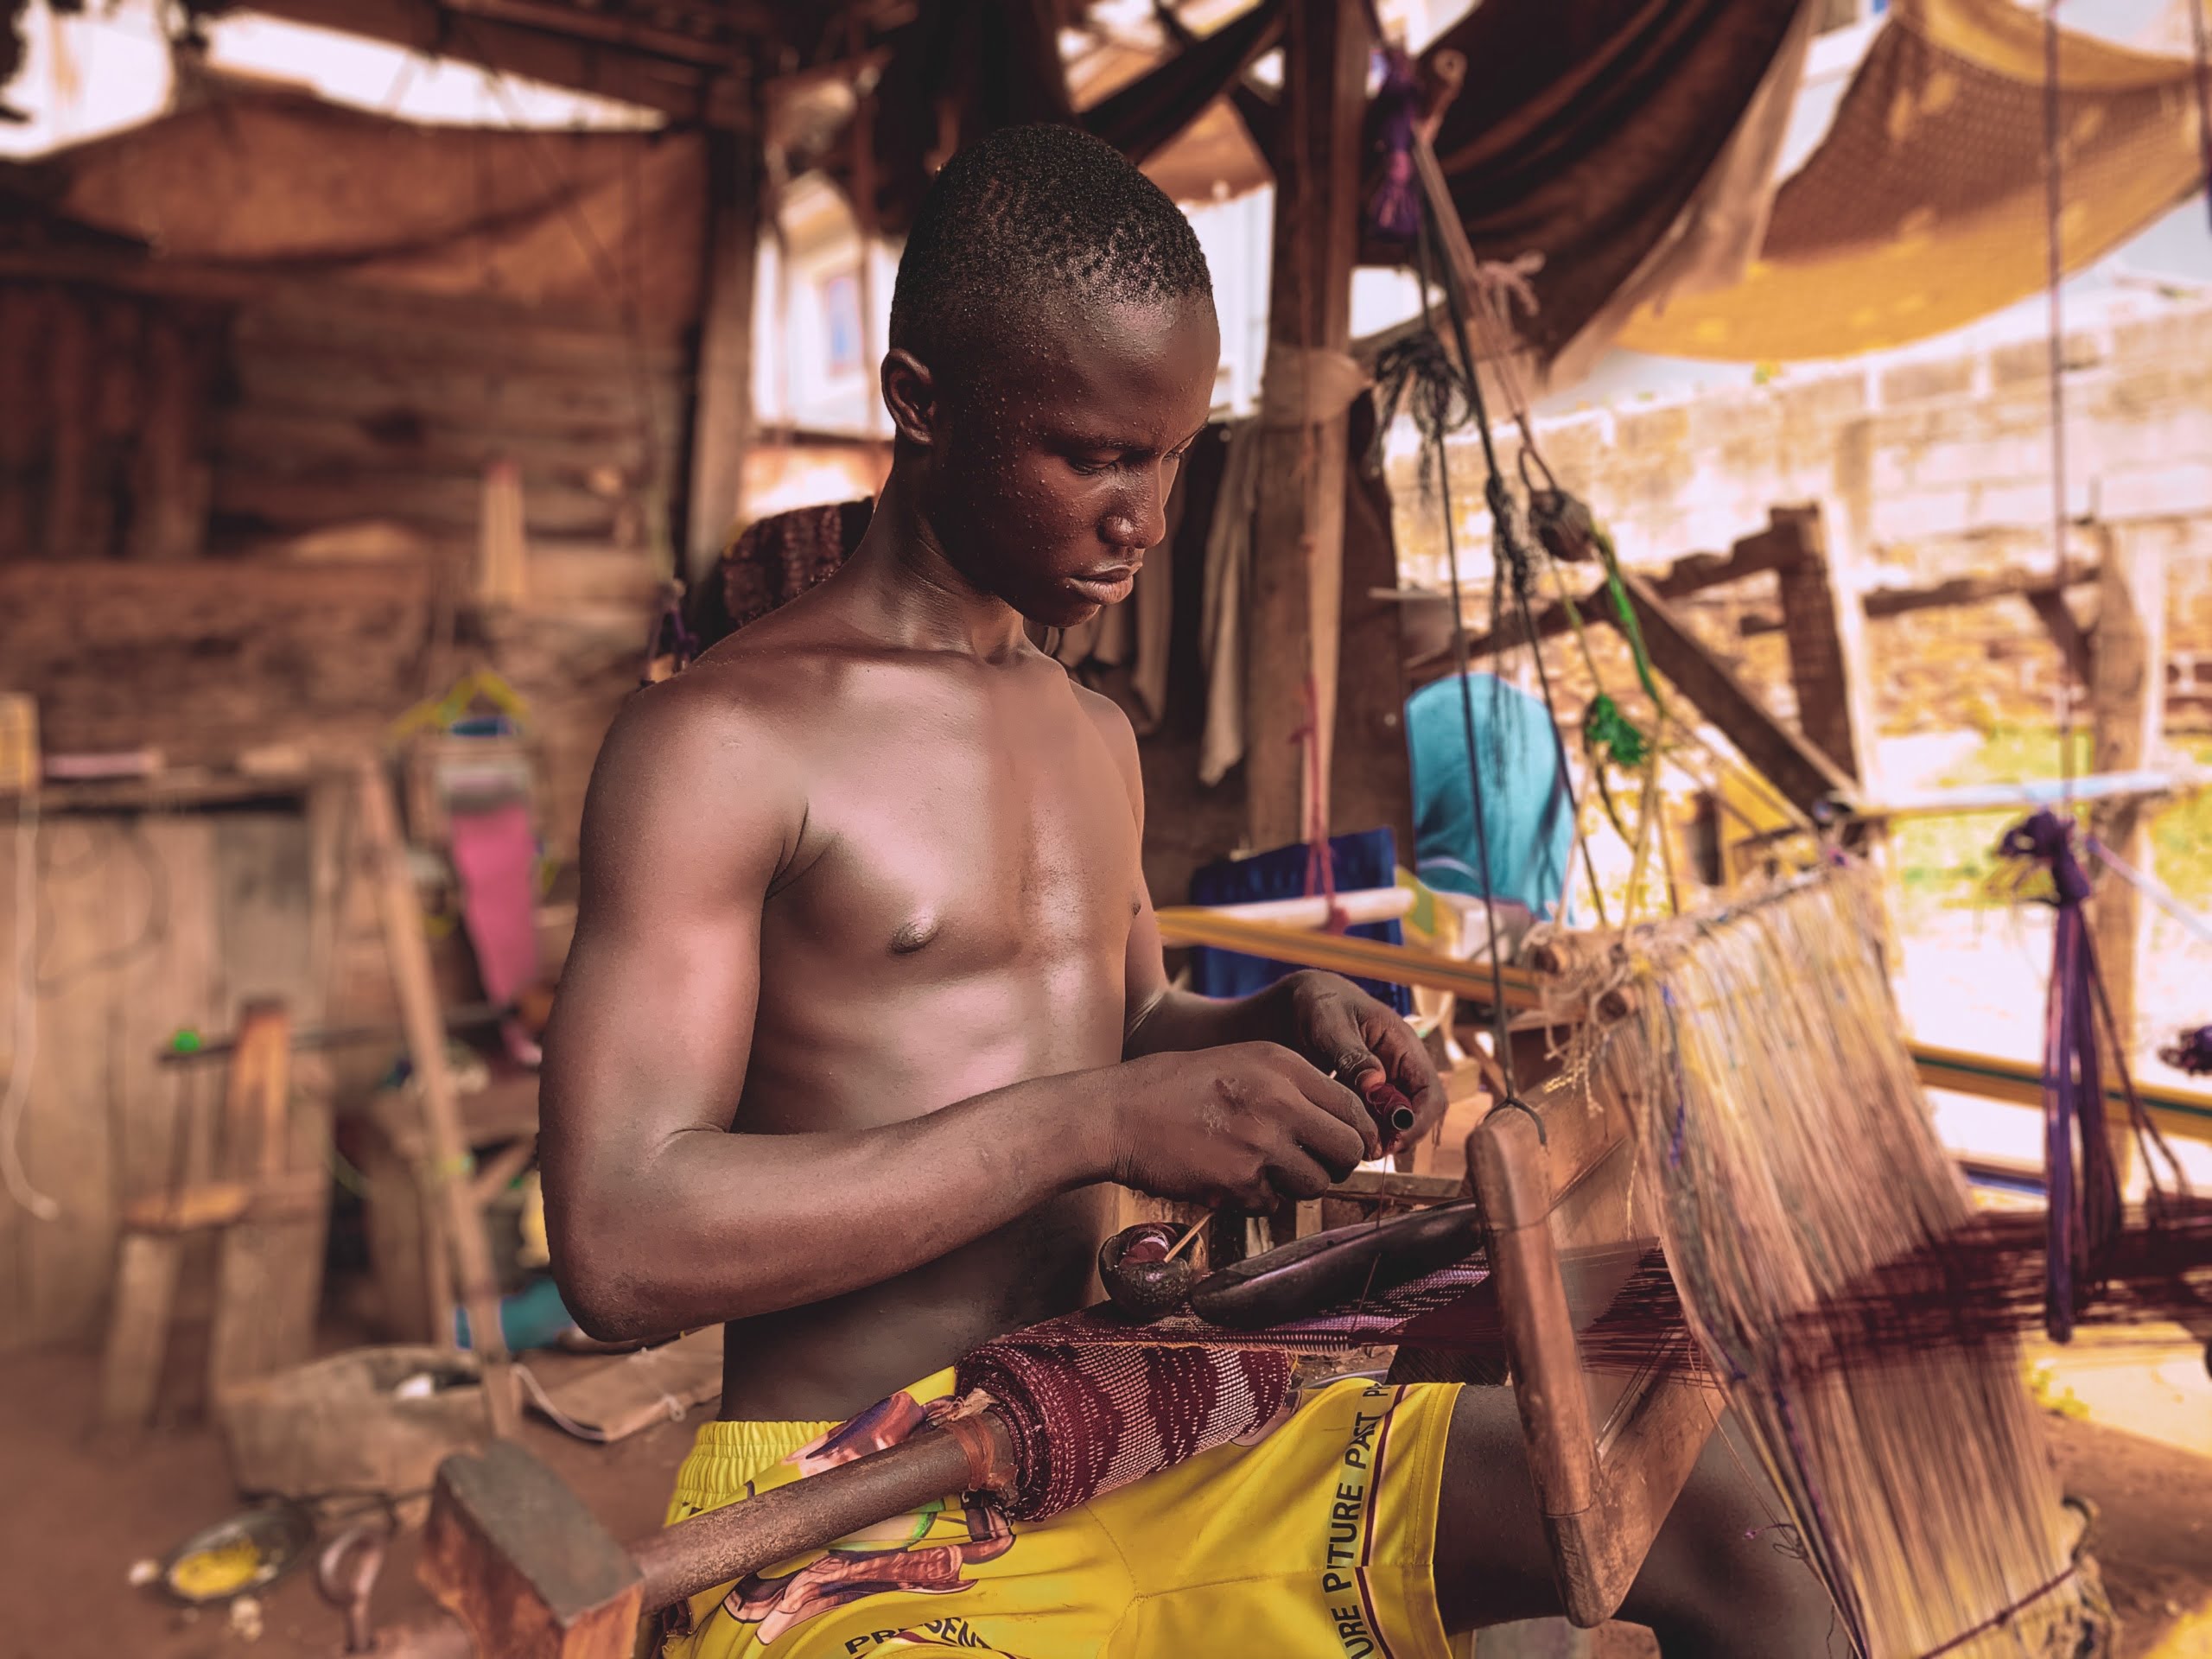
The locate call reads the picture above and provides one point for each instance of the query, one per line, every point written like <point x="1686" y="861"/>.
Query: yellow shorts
<point x="1315" y="1539"/>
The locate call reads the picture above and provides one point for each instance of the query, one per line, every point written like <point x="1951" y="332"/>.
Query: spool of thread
<point x="19" y="759"/>
<point x="1394" y="1113"/>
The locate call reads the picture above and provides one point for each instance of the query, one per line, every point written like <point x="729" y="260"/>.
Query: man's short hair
<point x="1036" y="216"/>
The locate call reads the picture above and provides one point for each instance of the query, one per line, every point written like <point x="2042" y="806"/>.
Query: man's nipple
<point x="914" y="935"/>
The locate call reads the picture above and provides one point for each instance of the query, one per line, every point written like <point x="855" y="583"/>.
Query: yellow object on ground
<point x="1923" y="208"/>
<point x="2191" y="1638"/>
<point x="1316" y="1538"/>
<point x="223" y="1570"/>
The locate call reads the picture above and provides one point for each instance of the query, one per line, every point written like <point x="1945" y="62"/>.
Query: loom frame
<point x="1608" y="1455"/>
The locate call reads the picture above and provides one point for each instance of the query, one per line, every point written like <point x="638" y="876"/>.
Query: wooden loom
<point x="1573" y="1200"/>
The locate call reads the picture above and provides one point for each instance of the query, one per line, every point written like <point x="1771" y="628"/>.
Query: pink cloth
<point x="495" y="852"/>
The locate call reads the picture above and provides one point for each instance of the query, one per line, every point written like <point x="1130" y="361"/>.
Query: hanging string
<point x="2054" y="211"/>
<point x="1515" y="557"/>
<point x="2201" y="61"/>
<point x="1438" y="386"/>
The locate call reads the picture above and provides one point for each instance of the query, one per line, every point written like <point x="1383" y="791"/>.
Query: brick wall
<point x="1926" y="469"/>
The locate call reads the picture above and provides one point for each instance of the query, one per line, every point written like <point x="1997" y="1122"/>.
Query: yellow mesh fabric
<point x="1923" y="208"/>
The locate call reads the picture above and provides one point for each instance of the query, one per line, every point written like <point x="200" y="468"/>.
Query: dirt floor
<point x="80" y="1510"/>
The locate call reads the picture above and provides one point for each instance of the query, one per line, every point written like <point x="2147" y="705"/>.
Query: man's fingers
<point x="1337" y="1035"/>
<point x="1333" y="1143"/>
<point x="1346" y="1107"/>
<point x="1294" y="1173"/>
<point x="1413" y="1071"/>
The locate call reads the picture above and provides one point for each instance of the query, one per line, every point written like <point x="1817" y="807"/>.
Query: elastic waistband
<point x="726" y="1454"/>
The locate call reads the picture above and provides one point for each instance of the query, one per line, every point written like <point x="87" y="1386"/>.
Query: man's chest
<point x="971" y="842"/>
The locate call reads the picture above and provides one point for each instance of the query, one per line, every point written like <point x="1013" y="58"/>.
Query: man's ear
<point x="910" y="393"/>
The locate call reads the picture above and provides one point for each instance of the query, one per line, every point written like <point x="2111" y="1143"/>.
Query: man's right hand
<point x="1247" y="1126"/>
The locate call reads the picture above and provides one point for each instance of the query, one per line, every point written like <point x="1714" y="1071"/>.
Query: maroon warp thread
<point x="1086" y="1421"/>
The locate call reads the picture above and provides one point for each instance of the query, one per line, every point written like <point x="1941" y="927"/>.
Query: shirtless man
<point x="866" y="1004"/>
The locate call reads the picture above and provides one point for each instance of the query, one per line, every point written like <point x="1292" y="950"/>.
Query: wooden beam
<point x="1756" y="554"/>
<point x="1806" y="777"/>
<point x="2077" y="645"/>
<point x="1297" y="555"/>
<point x="2127" y="711"/>
<point x="1371" y="782"/>
<point x="578" y="24"/>
<point x="1826" y="639"/>
<point x="721" y="410"/>
<point x="2034" y="586"/>
<point x="689" y="91"/>
<point x="2185" y="1112"/>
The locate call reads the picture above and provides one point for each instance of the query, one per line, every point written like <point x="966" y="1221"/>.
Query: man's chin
<point x="1061" y="611"/>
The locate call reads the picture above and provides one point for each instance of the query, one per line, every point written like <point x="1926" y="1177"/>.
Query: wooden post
<point x="2127" y="711"/>
<point x="1372" y="786"/>
<point x="1826" y="631"/>
<point x="1297" y="543"/>
<point x="721" y="408"/>
<point x="412" y="979"/>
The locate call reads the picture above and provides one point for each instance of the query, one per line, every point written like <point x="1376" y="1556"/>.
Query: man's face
<point x="1051" y="464"/>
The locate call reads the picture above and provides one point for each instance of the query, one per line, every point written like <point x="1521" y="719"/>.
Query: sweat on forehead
<point x="1027" y="225"/>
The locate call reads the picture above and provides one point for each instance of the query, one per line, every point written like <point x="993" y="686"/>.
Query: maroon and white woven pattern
<point x="1086" y="1420"/>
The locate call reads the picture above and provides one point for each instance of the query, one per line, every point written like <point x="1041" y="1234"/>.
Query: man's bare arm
<point x="661" y="1219"/>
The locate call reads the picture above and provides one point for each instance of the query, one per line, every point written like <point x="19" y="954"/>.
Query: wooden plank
<point x="1806" y="777"/>
<point x="470" y="1249"/>
<point x="2183" y="1112"/>
<point x="1371" y="782"/>
<point x="138" y="1327"/>
<point x="1879" y="603"/>
<point x="2128" y="706"/>
<point x="319" y="441"/>
<point x="483" y="333"/>
<point x="1399" y="964"/>
<point x="2073" y="641"/>
<point x="22" y="371"/>
<point x="94" y="908"/>
<point x="302" y="501"/>
<point x="1298" y="548"/>
<point x="1392" y="1188"/>
<point x="519" y="401"/>
<point x="721" y="411"/>
<point x="1755" y="554"/>
<point x="172" y="479"/>
<point x="67" y="410"/>
<point x="1827" y="656"/>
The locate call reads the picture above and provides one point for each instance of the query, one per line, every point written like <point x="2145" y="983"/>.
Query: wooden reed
<point x="1793" y="1159"/>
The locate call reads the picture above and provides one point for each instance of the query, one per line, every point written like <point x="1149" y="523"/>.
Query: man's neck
<point x="910" y="593"/>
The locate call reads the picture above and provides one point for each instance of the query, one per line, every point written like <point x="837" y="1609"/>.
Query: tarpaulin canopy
<point x="1586" y="130"/>
<point x="1924" y="207"/>
<point x="260" y="184"/>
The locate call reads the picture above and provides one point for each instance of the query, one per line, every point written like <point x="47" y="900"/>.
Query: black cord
<point x="1433" y="431"/>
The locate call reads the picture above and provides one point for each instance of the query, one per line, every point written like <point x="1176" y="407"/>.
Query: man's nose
<point x="1139" y="520"/>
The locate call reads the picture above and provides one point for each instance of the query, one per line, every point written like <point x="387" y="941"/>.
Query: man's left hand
<point x="1340" y="1028"/>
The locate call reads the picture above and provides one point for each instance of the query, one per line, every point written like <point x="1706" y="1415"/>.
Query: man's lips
<point x="1110" y="585"/>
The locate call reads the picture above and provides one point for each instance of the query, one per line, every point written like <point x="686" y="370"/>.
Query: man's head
<point x="1052" y="354"/>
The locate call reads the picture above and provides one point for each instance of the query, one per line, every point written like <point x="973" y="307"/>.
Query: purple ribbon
<point x="2190" y="1052"/>
<point x="2080" y="1176"/>
<point x="1394" y="209"/>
